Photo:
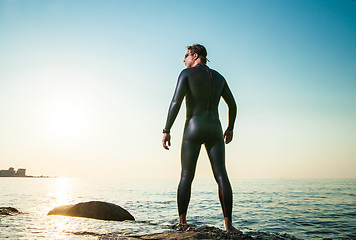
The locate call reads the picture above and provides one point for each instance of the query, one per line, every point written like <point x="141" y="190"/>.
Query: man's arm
<point x="230" y="101"/>
<point x="174" y="107"/>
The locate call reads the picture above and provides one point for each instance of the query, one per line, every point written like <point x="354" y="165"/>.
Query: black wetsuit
<point x="202" y="88"/>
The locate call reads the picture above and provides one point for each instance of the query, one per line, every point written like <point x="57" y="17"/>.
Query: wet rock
<point x="8" y="211"/>
<point x="191" y="232"/>
<point x="208" y="232"/>
<point x="93" y="209"/>
<point x="270" y="236"/>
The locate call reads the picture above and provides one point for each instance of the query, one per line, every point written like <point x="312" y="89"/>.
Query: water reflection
<point x="61" y="192"/>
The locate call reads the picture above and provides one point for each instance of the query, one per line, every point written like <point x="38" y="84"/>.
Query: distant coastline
<point x="20" y="173"/>
<point x="28" y="177"/>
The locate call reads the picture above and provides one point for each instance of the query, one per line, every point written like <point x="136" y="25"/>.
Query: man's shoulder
<point x="184" y="72"/>
<point x="217" y="74"/>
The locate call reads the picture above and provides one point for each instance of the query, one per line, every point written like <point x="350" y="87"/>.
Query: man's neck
<point x="196" y="62"/>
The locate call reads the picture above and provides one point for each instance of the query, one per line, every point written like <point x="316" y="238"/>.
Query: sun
<point x="66" y="119"/>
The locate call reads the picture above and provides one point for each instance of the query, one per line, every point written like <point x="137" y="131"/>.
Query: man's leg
<point x="216" y="153"/>
<point x="189" y="156"/>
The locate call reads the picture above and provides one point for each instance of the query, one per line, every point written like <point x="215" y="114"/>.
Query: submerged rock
<point x="93" y="209"/>
<point x="8" y="211"/>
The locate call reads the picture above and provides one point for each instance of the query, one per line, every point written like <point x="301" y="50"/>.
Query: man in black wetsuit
<point x="202" y="88"/>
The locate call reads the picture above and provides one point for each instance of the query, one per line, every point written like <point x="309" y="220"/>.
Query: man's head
<point x="195" y="54"/>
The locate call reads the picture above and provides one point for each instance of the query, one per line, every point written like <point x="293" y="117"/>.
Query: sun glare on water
<point x="61" y="193"/>
<point x="60" y="227"/>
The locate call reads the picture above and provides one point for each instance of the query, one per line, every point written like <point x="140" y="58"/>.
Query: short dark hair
<point x="200" y="50"/>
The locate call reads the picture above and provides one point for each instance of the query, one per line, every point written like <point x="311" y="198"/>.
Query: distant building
<point x="21" y="172"/>
<point x="11" y="172"/>
<point x="3" y="173"/>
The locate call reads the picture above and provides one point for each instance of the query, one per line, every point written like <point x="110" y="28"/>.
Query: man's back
<point x="202" y="87"/>
<point x="203" y="91"/>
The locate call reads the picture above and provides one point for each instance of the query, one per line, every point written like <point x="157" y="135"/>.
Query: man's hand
<point x="228" y="136"/>
<point x="166" y="138"/>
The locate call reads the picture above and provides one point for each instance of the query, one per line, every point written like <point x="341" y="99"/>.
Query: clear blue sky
<point x="85" y="85"/>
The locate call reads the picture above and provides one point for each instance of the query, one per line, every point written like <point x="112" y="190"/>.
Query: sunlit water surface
<point x="305" y="208"/>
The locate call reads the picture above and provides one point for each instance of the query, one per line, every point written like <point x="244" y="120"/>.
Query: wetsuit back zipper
<point x="210" y="89"/>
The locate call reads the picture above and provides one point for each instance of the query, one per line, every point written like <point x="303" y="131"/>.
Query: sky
<point x="85" y="85"/>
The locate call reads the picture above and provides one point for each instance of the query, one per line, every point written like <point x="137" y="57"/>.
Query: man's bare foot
<point x="183" y="227"/>
<point x="228" y="226"/>
<point x="232" y="229"/>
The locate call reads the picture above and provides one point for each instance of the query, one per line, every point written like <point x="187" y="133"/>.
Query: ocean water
<point x="304" y="208"/>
